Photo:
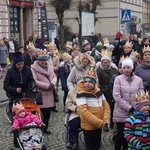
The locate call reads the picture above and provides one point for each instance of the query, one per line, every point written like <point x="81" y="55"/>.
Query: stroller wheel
<point x="44" y="147"/>
<point x="68" y="145"/>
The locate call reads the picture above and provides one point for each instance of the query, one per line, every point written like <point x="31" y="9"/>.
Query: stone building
<point x="22" y="18"/>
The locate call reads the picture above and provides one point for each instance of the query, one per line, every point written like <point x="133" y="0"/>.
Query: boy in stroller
<point x="23" y="121"/>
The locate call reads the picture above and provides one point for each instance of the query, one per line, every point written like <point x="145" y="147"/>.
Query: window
<point x="14" y="19"/>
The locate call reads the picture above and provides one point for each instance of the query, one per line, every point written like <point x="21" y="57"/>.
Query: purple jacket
<point x="144" y="73"/>
<point x="123" y="92"/>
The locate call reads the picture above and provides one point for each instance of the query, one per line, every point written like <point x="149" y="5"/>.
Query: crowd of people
<point x="105" y="86"/>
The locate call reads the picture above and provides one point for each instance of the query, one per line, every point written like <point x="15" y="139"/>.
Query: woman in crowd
<point x="54" y="60"/>
<point x="104" y="73"/>
<point x="143" y="71"/>
<point x="45" y="79"/>
<point x="3" y="55"/>
<point x="81" y="63"/>
<point x="65" y="70"/>
<point x="127" y="50"/>
<point x="125" y="87"/>
<point x="18" y="80"/>
<point x="143" y="43"/>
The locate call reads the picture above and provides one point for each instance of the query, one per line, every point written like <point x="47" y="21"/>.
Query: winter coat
<point x="16" y="78"/>
<point x="27" y="60"/>
<point x="23" y="121"/>
<point x="11" y="47"/>
<point x="64" y="72"/>
<point x="137" y="131"/>
<point x="43" y="83"/>
<point x="77" y="72"/>
<point x="143" y="72"/>
<point x="54" y="60"/>
<point x="92" y="106"/>
<point x="3" y="54"/>
<point x="71" y="103"/>
<point x="103" y="79"/>
<point x="124" y="91"/>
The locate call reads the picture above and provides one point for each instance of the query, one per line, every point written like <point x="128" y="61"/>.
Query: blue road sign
<point x="126" y="15"/>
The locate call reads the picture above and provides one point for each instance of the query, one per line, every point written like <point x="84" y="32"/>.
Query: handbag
<point x="8" y="61"/>
<point x="56" y="97"/>
<point x="37" y="96"/>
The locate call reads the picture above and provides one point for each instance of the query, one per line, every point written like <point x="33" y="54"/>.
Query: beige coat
<point x="71" y="103"/>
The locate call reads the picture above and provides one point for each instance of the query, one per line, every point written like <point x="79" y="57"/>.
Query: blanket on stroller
<point x="31" y="137"/>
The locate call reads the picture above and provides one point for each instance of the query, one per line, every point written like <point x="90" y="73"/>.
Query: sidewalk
<point x="55" y="141"/>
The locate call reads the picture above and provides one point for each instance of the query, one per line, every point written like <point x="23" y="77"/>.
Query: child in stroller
<point x="26" y="125"/>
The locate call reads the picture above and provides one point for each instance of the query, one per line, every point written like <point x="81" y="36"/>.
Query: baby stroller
<point x="31" y="134"/>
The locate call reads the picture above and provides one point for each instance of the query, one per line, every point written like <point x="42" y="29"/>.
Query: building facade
<point x="22" y="18"/>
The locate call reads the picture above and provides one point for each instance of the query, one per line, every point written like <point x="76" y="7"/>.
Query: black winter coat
<point x="15" y="78"/>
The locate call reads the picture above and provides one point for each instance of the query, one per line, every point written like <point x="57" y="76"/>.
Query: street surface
<point x="55" y="141"/>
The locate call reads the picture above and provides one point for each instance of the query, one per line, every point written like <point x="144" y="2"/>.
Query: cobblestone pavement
<point x="55" y="141"/>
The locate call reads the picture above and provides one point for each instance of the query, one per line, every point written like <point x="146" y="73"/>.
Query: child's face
<point x="22" y="114"/>
<point x="89" y="85"/>
<point x="145" y="109"/>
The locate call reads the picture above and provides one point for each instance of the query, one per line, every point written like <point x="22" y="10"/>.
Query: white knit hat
<point x="127" y="62"/>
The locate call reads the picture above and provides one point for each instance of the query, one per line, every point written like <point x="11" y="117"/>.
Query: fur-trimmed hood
<point x="79" y="65"/>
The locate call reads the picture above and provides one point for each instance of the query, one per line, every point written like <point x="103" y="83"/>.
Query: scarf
<point x="103" y="68"/>
<point x="44" y="67"/>
<point x="143" y="65"/>
<point x="82" y="89"/>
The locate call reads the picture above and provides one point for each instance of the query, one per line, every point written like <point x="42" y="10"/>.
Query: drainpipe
<point x="21" y="27"/>
<point x="119" y="15"/>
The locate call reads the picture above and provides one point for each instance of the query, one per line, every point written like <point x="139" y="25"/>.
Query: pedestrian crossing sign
<point x="126" y="15"/>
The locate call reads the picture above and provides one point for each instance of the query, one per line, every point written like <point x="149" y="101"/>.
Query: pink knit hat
<point x="105" y="58"/>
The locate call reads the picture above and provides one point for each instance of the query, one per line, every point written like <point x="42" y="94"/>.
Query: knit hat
<point x="18" y="108"/>
<point x="90" y="76"/>
<point x="105" y="58"/>
<point x="18" y="57"/>
<point x="141" y="99"/>
<point x="69" y="44"/>
<point x="41" y="55"/>
<point x="127" y="62"/>
<point x="66" y="57"/>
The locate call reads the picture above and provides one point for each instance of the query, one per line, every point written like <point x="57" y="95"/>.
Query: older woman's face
<point x="42" y="62"/>
<point x="105" y="63"/>
<point x="146" y="57"/>
<point x="127" y="49"/>
<point x="127" y="70"/>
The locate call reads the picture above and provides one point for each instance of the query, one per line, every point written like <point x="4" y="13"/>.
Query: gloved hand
<point x="32" y="86"/>
<point x="131" y="110"/>
<point x="51" y="86"/>
<point x="147" y="87"/>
